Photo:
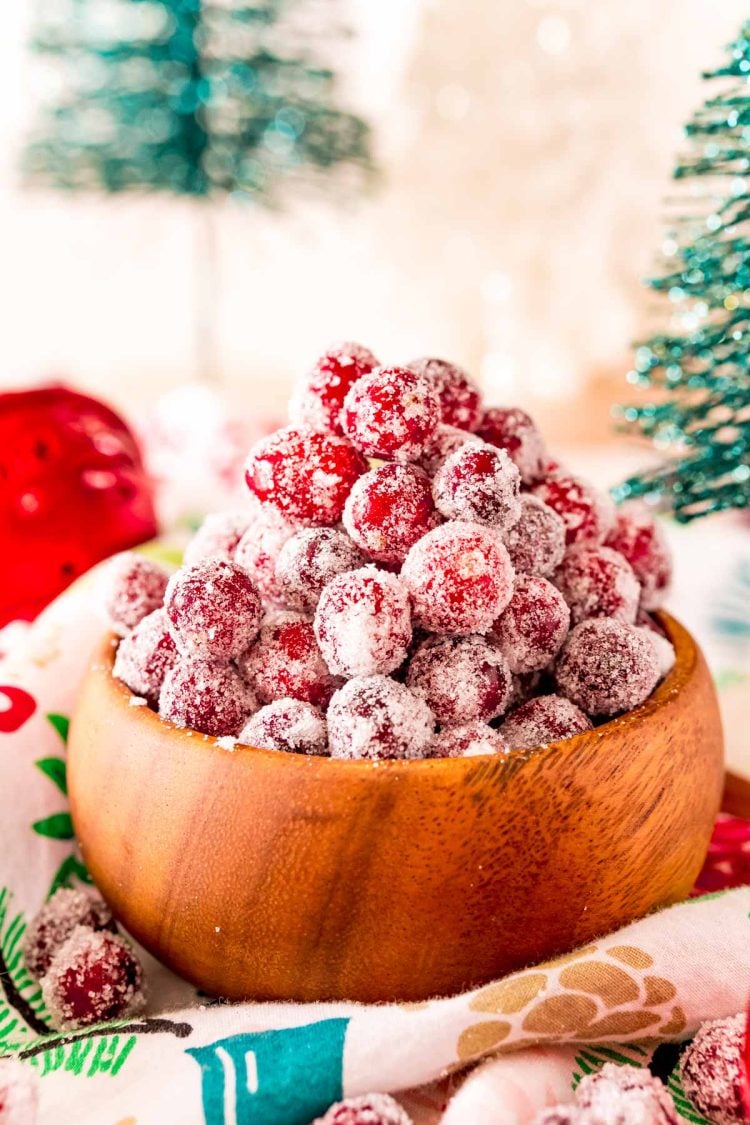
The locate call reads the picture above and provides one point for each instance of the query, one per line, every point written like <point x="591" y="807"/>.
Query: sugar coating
<point x="319" y="396"/>
<point x="145" y="656"/>
<point x="588" y="514"/>
<point x="514" y="431"/>
<point x="287" y="724"/>
<point x="206" y="696"/>
<point x="663" y="648"/>
<point x="19" y="1095"/>
<point x="536" y="541"/>
<point x="606" y="667"/>
<point x="460" y="578"/>
<point x="598" y="582"/>
<point x="286" y="661"/>
<point x="712" y="1070"/>
<point x="480" y="484"/>
<point x="309" y="560"/>
<point x="68" y="908"/>
<point x="377" y="717"/>
<point x="391" y="413"/>
<point x="389" y="509"/>
<point x="306" y="476"/>
<point x="460" y="678"/>
<point x="370" y="1109"/>
<point x="543" y="719"/>
<point x="445" y="440"/>
<point x="363" y="623"/>
<point x="259" y="548"/>
<point x="625" y="1095"/>
<point x="135" y="588"/>
<point x="213" y="608"/>
<point x="94" y="976"/>
<point x="219" y="535"/>
<point x="638" y="537"/>
<point x="468" y="741"/>
<point x="533" y="626"/>
<point x="460" y="398"/>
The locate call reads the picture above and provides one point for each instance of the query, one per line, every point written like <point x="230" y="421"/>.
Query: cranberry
<point x="145" y="656"/>
<point x="219" y="534"/>
<point x="638" y="537"/>
<point x="287" y="724"/>
<point x="94" y="976"/>
<point x="712" y="1071"/>
<point x="310" y="560"/>
<point x="214" y="609"/>
<point x="629" y="1095"/>
<point x="372" y="1109"/>
<point x="543" y="719"/>
<point x="286" y="662"/>
<point x="460" y="399"/>
<point x="208" y="697"/>
<point x="391" y="413"/>
<point x="388" y="510"/>
<point x="460" y="678"/>
<point x="598" y="582"/>
<point x="663" y="649"/>
<point x="445" y="440"/>
<point x="376" y="717"/>
<point x="514" y="431"/>
<point x="587" y="513"/>
<point x="479" y="484"/>
<point x="318" y="399"/>
<point x="50" y="929"/>
<point x="305" y="475"/>
<point x="460" y="578"/>
<point x="536" y="541"/>
<point x="607" y="666"/>
<point x="259" y="548"/>
<point x="363" y="623"/>
<point x="468" y="741"/>
<point x="136" y="588"/>
<point x="532" y="628"/>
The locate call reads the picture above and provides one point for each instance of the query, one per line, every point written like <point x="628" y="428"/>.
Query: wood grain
<point x="261" y="874"/>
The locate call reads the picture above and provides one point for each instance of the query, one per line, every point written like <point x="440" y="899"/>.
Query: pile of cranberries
<point x="413" y="577"/>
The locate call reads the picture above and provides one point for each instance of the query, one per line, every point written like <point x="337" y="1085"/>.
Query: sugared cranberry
<point x="391" y="413"/>
<point x="606" y="667"/>
<point x="219" y="535"/>
<point x="259" y="548"/>
<point x="460" y="678"/>
<point x="311" y="559"/>
<point x="625" y="1095"/>
<point x="287" y="724"/>
<point x="136" y="588"/>
<point x="305" y="475"/>
<point x="94" y="976"/>
<point x="587" y="513"/>
<point x="19" y="1096"/>
<point x="285" y="661"/>
<point x="460" y="399"/>
<point x="318" y="399"/>
<point x="712" y="1071"/>
<point x="52" y="926"/>
<point x="543" y="719"/>
<point x="460" y="578"/>
<point x="389" y="509"/>
<point x="663" y="648"/>
<point x="145" y="656"/>
<point x="376" y="717"/>
<point x="638" y="537"/>
<point x="514" y="431"/>
<point x="213" y="609"/>
<point x="598" y="582"/>
<point x="363" y="623"/>
<point x="445" y="440"/>
<point x="531" y="629"/>
<point x="536" y="541"/>
<point x="480" y="484"/>
<point x="371" y="1109"/>
<point x="205" y="696"/>
<point x="468" y="741"/>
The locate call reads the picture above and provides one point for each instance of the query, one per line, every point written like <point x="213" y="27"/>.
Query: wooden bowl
<point x="258" y="874"/>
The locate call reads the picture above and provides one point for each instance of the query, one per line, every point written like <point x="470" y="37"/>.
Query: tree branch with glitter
<point x="699" y="365"/>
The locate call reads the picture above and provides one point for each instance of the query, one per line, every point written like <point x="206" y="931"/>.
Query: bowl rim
<point x="686" y="657"/>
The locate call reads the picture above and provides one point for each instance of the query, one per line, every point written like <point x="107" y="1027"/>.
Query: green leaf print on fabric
<point x="56" y="770"/>
<point x="59" y="826"/>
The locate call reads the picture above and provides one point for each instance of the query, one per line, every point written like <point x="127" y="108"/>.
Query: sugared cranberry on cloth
<point x="214" y="609"/>
<point x="309" y="560"/>
<point x="460" y="678"/>
<point x="286" y="661"/>
<point x="514" y="431"/>
<point x="18" y="1093"/>
<point x="480" y="484"/>
<point x="135" y="588"/>
<point x="146" y="655"/>
<point x="318" y="398"/>
<point x="371" y="1109"/>
<point x="376" y="717"/>
<point x="206" y="696"/>
<point x="445" y="440"/>
<point x="606" y="667"/>
<point x="468" y="741"/>
<point x="259" y="548"/>
<point x="363" y="623"/>
<point x="68" y="908"/>
<point x="543" y="719"/>
<point x="588" y="514"/>
<point x="460" y="399"/>
<point x="306" y="476"/>
<point x="391" y="413"/>
<point x="287" y="724"/>
<point x="531" y="629"/>
<point x="219" y="535"/>
<point x="711" y="1069"/>
<point x="389" y="509"/>
<point x="640" y="539"/>
<point x="536" y="541"/>
<point x="94" y="976"/>
<point x="460" y="578"/>
<point x="598" y="582"/>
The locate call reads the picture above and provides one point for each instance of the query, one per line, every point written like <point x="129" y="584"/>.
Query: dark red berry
<point x="205" y="696"/>
<point x="363" y="623"/>
<point x="640" y="539"/>
<point x="376" y="717"/>
<point x="533" y="626"/>
<point x="287" y="724"/>
<point x="136" y="588"/>
<point x="311" y="559"/>
<point x="146" y="655"/>
<point x="388" y="510"/>
<point x="514" y="431"/>
<point x="543" y="719"/>
<point x="94" y="976"/>
<point x="607" y="666"/>
<point x="478" y="484"/>
<point x="285" y="661"/>
<point x="214" y="609"/>
<point x="460" y="398"/>
<point x="460" y="678"/>
<point x="391" y="413"/>
<point x="52" y="926"/>
<point x="588" y="514"/>
<point x="597" y="582"/>
<point x="318" y="399"/>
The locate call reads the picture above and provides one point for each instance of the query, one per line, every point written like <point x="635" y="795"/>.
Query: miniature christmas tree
<point x="699" y="365"/>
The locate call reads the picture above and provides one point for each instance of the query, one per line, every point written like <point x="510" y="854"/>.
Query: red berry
<point x="468" y="741"/>
<point x="214" y="609"/>
<point x="532" y="628"/>
<point x="219" y="534"/>
<point x="445" y="440"/>
<point x="460" y="578"/>
<point x="587" y="513"/>
<point x="629" y="1095"/>
<point x="287" y="724"/>
<point x="663" y="649"/>
<point x="305" y="475"/>
<point x="376" y="717"/>
<point x="713" y="1073"/>
<point x="597" y="582"/>
<point x="460" y="678"/>
<point x="207" y="697"/>
<point x="146" y="655"/>
<point x="460" y="398"/>
<point x="391" y="413"/>
<point x="136" y="588"/>
<point x="388" y="509"/>
<point x="372" y="1109"/>
<point x="52" y="926"/>
<point x="607" y="667"/>
<point x="543" y="719"/>
<point x="318" y="399"/>
<point x="536" y="541"/>
<point x="514" y="431"/>
<point x="310" y="560"/>
<point x="363" y="623"/>
<point x="478" y="484"/>
<point x="638" y="537"/>
<point x="94" y="976"/>
<point x="286" y="662"/>
<point x="259" y="548"/>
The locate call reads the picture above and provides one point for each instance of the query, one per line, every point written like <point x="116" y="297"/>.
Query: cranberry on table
<point x="543" y="719"/>
<point x="460" y="398"/>
<point x="468" y="741"/>
<point x="214" y="609"/>
<point x="309" y="560"/>
<point x="145" y="656"/>
<point x="598" y="582"/>
<point x="712" y="1071"/>
<point x="480" y="484"/>
<point x="638" y="537"/>
<point x="206" y="696"/>
<point x="536" y="541"/>
<point x="460" y="578"/>
<point x="259" y="548"/>
<point x="371" y="1109"/>
<point x="391" y="413"/>
<point x="606" y="667"/>
<point x="515" y="431"/>
<point x="318" y="398"/>
<point x="377" y="717"/>
<point x="445" y="440"/>
<point x="68" y="908"/>
<point x="219" y="534"/>
<point x="363" y="623"/>
<point x="389" y="509"/>
<point x="305" y="475"/>
<point x="287" y="724"/>
<point x="533" y="626"/>
<point x="136" y="588"/>
<point x="286" y="661"/>
<point x="94" y="976"/>
<point x="460" y="678"/>
<point x="587" y="513"/>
